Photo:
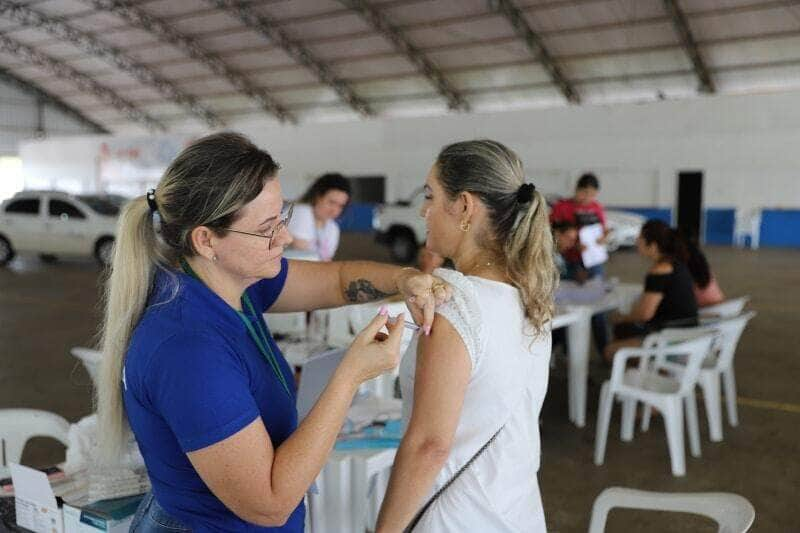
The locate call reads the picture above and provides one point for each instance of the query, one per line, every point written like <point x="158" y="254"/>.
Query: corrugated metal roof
<point x="401" y="57"/>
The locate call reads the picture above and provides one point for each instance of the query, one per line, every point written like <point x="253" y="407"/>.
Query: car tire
<point x="104" y="251"/>
<point x="7" y="252"/>
<point x="403" y="246"/>
<point x="48" y="258"/>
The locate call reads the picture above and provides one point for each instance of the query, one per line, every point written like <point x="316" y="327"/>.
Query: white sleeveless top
<point x="499" y="491"/>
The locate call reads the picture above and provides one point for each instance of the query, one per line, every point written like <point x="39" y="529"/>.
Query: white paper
<point x="594" y="254"/>
<point x="32" y="485"/>
<point x="34" y="500"/>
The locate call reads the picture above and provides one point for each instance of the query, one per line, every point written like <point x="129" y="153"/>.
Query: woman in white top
<point x="313" y="226"/>
<point x="474" y="385"/>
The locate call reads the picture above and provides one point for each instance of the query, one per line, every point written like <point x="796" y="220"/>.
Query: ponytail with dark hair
<point x="669" y="242"/>
<point x="698" y="265"/>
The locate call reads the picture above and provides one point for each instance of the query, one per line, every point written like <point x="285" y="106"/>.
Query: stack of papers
<point x="594" y="253"/>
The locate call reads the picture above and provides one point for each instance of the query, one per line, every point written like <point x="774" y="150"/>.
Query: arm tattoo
<point x="362" y="290"/>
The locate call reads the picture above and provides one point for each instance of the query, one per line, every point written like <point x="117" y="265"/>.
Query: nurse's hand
<point x="372" y="353"/>
<point x="423" y="292"/>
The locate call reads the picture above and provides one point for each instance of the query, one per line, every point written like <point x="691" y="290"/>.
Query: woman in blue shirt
<point x="189" y="363"/>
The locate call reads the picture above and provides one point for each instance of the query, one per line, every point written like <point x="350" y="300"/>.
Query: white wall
<point x="747" y="146"/>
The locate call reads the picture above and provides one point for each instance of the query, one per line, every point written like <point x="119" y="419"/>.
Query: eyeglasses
<point x="286" y="217"/>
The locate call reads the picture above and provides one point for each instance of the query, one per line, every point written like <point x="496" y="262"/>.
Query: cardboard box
<point x="110" y="516"/>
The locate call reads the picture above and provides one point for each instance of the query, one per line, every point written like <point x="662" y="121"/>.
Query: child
<point x="582" y="209"/>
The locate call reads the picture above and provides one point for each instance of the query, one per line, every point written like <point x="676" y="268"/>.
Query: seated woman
<point x="473" y="388"/>
<point x="706" y="289"/>
<point x="668" y="299"/>
<point x="313" y="227"/>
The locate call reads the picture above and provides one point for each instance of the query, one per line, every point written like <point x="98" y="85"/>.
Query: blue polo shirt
<point x="193" y="376"/>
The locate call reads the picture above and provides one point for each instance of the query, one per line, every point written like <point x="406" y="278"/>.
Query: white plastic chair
<point x="719" y="365"/>
<point x="728" y="308"/>
<point x="733" y="513"/>
<point x="669" y="395"/>
<point x="747" y="224"/>
<point x="18" y="426"/>
<point x="90" y="359"/>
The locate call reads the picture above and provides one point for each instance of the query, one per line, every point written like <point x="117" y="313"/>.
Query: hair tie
<point x="151" y="200"/>
<point x="525" y="193"/>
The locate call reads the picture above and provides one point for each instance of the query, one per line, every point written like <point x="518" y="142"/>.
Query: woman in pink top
<point x="706" y="289"/>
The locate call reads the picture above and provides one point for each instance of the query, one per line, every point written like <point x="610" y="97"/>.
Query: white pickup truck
<point x="402" y="229"/>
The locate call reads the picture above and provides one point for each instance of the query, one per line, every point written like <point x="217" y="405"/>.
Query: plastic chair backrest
<point x="726" y="309"/>
<point x="730" y="331"/>
<point x="90" y="359"/>
<point x="733" y="513"/>
<point x="17" y="426"/>
<point x="695" y="349"/>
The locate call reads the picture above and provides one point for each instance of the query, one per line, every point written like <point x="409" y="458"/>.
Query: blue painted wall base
<point x="780" y="228"/>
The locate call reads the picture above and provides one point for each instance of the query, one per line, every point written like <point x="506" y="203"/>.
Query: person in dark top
<point x="668" y="299"/>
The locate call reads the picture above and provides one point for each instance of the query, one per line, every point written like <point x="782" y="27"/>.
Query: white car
<point x="401" y="227"/>
<point x="54" y="224"/>
<point x="625" y="228"/>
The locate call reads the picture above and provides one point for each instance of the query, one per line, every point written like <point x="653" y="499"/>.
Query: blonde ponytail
<point x="520" y="230"/>
<point x="529" y="262"/>
<point x="126" y="292"/>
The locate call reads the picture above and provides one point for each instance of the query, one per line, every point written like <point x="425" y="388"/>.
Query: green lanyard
<point x="260" y="337"/>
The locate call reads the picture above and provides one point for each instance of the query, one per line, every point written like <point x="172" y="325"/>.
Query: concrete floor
<point x="47" y="308"/>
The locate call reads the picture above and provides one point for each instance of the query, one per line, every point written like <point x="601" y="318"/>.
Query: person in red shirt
<point x="582" y="209"/>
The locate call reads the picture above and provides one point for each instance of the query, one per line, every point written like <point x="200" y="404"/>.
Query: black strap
<point x="439" y="492"/>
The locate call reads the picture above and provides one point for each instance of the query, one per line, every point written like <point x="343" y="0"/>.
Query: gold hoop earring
<point x="465" y="226"/>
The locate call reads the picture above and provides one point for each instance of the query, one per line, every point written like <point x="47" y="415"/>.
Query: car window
<point x="59" y="207"/>
<point x="108" y="205"/>
<point x="24" y="207"/>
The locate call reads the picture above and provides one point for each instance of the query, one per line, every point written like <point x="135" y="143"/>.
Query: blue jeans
<point x="151" y="518"/>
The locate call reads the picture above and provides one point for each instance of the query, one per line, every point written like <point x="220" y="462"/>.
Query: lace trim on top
<point x="463" y="312"/>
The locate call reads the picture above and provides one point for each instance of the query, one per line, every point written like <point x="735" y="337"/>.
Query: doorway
<point x="690" y="204"/>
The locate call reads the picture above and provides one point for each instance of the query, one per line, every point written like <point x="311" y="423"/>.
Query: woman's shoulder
<point x="462" y="310"/>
